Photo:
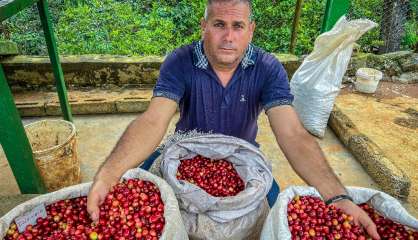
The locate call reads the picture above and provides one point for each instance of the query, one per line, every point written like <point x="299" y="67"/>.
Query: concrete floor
<point x="97" y="134"/>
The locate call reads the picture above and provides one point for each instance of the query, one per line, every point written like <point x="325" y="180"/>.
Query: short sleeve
<point x="276" y="89"/>
<point x="170" y="83"/>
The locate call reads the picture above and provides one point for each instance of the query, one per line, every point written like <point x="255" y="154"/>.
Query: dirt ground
<point x="390" y="119"/>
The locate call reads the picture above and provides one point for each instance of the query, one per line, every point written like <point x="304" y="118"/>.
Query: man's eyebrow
<point x="233" y="23"/>
<point x="238" y="22"/>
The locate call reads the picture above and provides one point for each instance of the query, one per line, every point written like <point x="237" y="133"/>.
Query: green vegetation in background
<point x="131" y="27"/>
<point x="411" y="28"/>
<point x="371" y="9"/>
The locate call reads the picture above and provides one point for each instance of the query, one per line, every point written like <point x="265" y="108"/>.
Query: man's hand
<point x="146" y="131"/>
<point x="96" y="196"/>
<point x="360" y="217"/>
<point x="308" y="160"/>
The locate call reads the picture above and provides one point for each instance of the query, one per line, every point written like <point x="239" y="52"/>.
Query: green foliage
<point x="93" y="28"/>
<point x="132" y="27"/>
<point x="373" y="10"/>
<point x="410" y="39"/>
<point x="411" y="34"/>
<point x="25" y="28"/>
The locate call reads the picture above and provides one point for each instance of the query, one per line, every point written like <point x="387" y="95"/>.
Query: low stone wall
<point x="396" y="67"/>
<point x="84" y="71"/>
<point x="35" y="72"/>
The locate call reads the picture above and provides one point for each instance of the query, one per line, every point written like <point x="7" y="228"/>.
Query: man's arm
<point x="307" y="159"/>
<point x="138" y="141"/>
<point x="303" y="152"/>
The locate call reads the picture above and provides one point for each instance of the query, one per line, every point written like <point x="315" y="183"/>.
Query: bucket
<point x="54" y="150"/>
<point x="367" y="79"/>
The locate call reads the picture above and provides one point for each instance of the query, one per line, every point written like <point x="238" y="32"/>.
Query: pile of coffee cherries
<point x="387" y="228"/>
<point x="217" y="177"/>
<point x="132" y="210"/>
<point x="310" y="218"/>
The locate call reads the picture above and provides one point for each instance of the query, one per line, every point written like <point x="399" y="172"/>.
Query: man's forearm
<point x="307" y="159"/>
<point x="303" y="152"/>
<point x="138" y="141"/>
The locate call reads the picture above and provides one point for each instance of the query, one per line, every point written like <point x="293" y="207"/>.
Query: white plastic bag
<point x="173" y="229"/>
<point x="276" y="225"/>
<point x="208" y="217"/>
<point x="317" y="82"/>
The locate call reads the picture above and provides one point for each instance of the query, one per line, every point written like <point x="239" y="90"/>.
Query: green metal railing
<point x="12" y="133"/>
<point x="333" y="11"/>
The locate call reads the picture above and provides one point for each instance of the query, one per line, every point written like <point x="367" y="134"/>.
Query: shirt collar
<point x="201" y="61"/>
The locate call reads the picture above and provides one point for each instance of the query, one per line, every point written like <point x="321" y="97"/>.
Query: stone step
<point x="46" y="103"/>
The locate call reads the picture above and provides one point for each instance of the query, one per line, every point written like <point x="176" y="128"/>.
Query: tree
<point x="392" y="25"/>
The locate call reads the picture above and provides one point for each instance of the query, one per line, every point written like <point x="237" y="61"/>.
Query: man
<point x="221" y="84"/>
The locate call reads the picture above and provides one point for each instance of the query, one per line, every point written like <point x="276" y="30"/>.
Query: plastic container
<point x="54" y="150"/>
<point x="367" y="79"/>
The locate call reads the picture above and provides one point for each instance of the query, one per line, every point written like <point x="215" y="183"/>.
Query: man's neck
<point x="223" y="71"/>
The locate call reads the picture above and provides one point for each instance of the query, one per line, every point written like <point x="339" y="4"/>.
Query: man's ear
<point x="252" y="29"/>
<point x="203" y="25"/>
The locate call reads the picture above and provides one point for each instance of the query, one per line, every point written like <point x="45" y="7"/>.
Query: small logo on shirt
<point x="243" y="99"/>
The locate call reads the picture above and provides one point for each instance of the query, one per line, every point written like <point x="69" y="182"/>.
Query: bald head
<point x="208" y="9"/>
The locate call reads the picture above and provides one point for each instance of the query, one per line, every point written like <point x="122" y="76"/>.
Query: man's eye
<point x="238" y="26"/>
<point x="219" y="25"/>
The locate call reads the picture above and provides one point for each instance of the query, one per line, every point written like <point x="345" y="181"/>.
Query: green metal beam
<point x="15" y="143"/>
<point x="9" y="8"/>
<point x="12" y="133"/>
<point x="334" y="10"/>
<point x="55" y="61"/>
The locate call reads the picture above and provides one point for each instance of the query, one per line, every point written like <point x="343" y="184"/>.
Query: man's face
<point x="227" y="33"/>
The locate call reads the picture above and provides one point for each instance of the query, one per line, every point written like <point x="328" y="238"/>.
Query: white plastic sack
<point x="276" y="225"/>
<point x="317" y="82"/>
<point x="208" y="217"/>
<point x="173" y="229"/>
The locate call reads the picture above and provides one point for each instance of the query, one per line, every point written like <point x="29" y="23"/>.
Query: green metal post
<point x="333" y="11"/>
<point x="53" y="56"/>
<point x="15" y="143"/>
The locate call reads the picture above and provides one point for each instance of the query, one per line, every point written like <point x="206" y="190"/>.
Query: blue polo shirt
<point x="260" y="82"/>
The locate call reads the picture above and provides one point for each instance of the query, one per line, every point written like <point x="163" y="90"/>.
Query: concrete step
<point x="46" y="103"/>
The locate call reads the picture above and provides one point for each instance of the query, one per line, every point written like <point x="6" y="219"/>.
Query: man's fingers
<point x="356" y="221"/>
<point x="93" y="202"/>
<point x="370" y="227"/>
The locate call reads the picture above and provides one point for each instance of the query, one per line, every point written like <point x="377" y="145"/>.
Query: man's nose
<point x="229" y="34"/>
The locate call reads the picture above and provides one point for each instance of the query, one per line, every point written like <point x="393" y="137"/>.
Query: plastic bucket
<point x="367" y="79"/>
<point x="54" y="150"/>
